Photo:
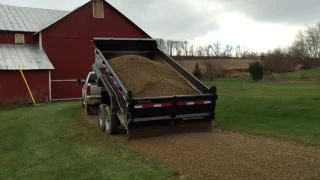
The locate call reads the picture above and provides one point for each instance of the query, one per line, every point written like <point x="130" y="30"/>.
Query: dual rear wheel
<point x="107" y="121"/>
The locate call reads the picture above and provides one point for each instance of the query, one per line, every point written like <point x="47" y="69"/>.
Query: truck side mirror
<point x="80" y="82"/>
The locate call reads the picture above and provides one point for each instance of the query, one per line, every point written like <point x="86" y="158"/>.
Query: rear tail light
<point x="88" y="91"/>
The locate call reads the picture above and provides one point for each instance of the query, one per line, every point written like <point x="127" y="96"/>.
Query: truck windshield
<point x="92" y="79"/>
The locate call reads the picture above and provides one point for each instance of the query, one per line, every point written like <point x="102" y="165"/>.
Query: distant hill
<point x="177" y="58"/>
<point x="227" y="63"/>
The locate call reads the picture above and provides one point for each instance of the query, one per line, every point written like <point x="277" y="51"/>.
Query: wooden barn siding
<point x="65" y="90"/>
<point x="12" y="84"/>
<point x="28" y="37"/>
<point x="67" y="44"/>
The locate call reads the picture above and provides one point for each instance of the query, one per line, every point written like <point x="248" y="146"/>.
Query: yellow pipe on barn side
<point x="25" y="81"/>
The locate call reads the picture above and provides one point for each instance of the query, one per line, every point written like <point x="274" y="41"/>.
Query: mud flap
<point x="152" y="129"/>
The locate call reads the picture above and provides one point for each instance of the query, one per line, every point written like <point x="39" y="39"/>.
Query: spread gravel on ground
<point x="147" y="78"/>
<point x="226" y="155"/>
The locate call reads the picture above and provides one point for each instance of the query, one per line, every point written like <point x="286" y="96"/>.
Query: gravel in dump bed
<point x="147" y="78"/>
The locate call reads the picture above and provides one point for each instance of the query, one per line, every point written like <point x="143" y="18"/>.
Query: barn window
<point x="19" y="39"/>
<point x="98" y="9"/>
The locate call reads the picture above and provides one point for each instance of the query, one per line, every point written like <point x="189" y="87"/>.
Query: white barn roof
<point x="29" y="57"/>
<point x="13" y="18"/>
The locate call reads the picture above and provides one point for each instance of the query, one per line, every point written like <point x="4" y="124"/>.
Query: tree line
<point x="307" y="43"/>
<point x="306" y="46"/>
<point x="304" y="51"/>
<point x="186" y="48"/>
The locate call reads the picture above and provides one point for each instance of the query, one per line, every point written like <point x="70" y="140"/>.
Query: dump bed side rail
<point x="183" y="72"/>
<point x="109" y="71"/>
<point x="110" y="80"/>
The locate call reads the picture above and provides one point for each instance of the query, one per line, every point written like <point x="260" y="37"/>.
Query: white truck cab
<point x="91" y="92"/>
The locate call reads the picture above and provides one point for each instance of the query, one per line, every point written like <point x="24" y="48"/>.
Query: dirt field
<point x="229" y="64"/>
<point x="227" y="155"/>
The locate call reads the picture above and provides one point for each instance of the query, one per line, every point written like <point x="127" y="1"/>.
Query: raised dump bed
<point x="142" y="84"/>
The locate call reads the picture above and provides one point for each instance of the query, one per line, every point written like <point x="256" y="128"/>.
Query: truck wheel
<point x="88" y="109"/>
<point x="101" y="116"/>
<point x="111" y="122"/>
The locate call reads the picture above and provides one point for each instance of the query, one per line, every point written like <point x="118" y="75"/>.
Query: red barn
<point x="53" y="47"/>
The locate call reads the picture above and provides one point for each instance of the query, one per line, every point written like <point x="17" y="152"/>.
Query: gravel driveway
<point x="228" y="155"/>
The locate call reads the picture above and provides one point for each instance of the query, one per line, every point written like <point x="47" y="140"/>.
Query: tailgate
<point x="95" y="91"/>
<point x="180" y="107"/>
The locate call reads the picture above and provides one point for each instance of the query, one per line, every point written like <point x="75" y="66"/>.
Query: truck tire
<point x="101" y="116"/>
<point x="88" y="109"/>
<point x="111" y="122"/>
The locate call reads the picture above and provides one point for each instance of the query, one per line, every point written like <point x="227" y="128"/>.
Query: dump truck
<point x="119" y="108"/>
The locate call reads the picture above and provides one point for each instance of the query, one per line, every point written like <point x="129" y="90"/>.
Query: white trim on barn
<point x="95" y="5"/>
<point x="67" y="99"/>
<point x="40" y="41"/>
<point x="50" y="98"/>
<point x="19" y="39"/>
<point x="65" y="80"/>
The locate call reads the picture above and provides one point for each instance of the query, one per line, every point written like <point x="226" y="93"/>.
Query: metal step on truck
<point x="119" y="108"/>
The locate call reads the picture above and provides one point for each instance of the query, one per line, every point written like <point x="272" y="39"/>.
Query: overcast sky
<point x="258" y="24"/>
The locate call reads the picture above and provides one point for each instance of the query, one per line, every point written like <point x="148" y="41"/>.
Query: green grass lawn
<point x="49" y="142"/>
<point x="309" y="74"/>
<point x="289" y="110"/>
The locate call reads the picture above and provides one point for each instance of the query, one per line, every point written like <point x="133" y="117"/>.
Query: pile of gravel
<point x="147" y="78"/>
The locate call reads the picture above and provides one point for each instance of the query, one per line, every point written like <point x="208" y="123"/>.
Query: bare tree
<point x="299" y="48"/>
<point x="216" y="48"/>
<point x="184" y="45"/>
<point x="245" y="51"/>
<point x="170" y="47"/>
<point x="207" y="50"/>
<point x="200" y="51"/>
<point x="238" y="51"/>
<point x="312" y="39"/>
<point x="213" y="67"/>
<point x="252" y="55"/>
<point x="228" y="50"/>
<point x="307" y="44"/>
<point x="162" y="45"/>
<point x="278" y="61"/>
<point x="178" y="45"/>
<point x="191" y="50"/>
